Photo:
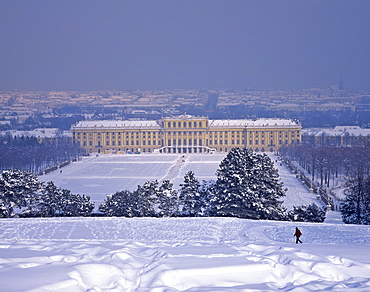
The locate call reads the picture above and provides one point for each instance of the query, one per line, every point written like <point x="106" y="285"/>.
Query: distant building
<point x="185" y="134"/>
<point x="339" y="136"/>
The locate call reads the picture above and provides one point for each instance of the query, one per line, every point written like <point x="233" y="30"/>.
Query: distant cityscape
<point x="330" y="107"/>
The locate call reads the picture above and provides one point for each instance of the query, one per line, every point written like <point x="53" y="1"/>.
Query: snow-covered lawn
<point x="176" y="254"/>
<point x="181" y="254"/>
<point x="100" y="176"/>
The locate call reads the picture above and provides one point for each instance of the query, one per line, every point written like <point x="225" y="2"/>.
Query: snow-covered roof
<point x="254" y="123"/>
<point x="338" y="131"/>
<point x="116" y="124"/>
<point x="184" y="117"/>
<point x="345" y="128"/>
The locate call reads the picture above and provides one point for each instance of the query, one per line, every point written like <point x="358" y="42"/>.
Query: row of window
<point x="190" y="142"/>
<point x="185" y="124"/>
<point x="185" y="142"/>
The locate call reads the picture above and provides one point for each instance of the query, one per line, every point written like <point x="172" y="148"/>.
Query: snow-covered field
<point x="100" y="176"/>
<point x="176" y="254"/>
<point x="181" y="254"/>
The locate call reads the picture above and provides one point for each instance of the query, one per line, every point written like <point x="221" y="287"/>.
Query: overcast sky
<point x="160" y="44"/>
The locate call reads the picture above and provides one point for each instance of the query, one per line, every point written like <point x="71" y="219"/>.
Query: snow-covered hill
<point x="181" y="254"/>
<point x="176" y="254"/>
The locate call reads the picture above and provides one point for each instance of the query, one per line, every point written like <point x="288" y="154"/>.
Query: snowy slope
<point x="176" y="254"/>
<point x="181" y="254"/>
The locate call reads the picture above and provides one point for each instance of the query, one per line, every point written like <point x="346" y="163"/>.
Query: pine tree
<point x="356" y="207"/>
<point x="309" y="213"/>
<point x="17" y="189"/>
<point x="167" y="200"/>
<point x="248" y="186"/>
<point x="47" y="203"/>
<point x="208" y="194"/>
<point x="190" y="196"/>
<point x="122" y="203"/>
<point x="147" y="198"/>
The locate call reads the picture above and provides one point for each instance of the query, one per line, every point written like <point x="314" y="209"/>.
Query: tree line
<point x="23" y="195"/>
<point x="346" y="167"/>
<point x="26" y="153"/>
<point x="247" y="186"/>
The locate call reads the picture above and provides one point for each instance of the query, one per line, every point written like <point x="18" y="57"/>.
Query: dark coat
<point x="298" y="232"/>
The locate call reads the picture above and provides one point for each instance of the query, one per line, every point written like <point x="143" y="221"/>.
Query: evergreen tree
<point x="75" y="204"/>
<point x="248" y="186"/>
<point x="147" y="197"/>
<point x="190" y="196"/>
<point x="309" y="213"/>
<point x="167" y="200"/>
<point x="356" y="207"/>
<point x="207" y="192"/>
<point x="47" y="203"/>
<point x="122" y="203"/>
<point x="17" y="189"/>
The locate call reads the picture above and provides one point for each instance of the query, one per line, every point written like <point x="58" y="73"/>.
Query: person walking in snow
<point x="297" y="234"/>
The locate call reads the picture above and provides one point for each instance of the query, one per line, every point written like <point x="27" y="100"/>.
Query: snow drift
<point x="181" y="254"/>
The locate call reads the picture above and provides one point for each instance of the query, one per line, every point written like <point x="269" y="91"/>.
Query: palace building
<point x="185" y="134"/>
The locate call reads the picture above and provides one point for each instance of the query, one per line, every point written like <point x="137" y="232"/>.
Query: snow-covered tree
<point x="139" y="203"/>
<point x="207" y="191"/>
<point x="147" y="196"/>
<point x="167" y="200"/>
<point x="248" y="186"/>
<point x="17" y="189"/>
<point x="47" y="203"/>
<point x="309" y="213"/>
<point x="190" y="196"/>
<point x="75" y="204"/>
<point x="122" y="203"/>
<point x="356" y="207"/>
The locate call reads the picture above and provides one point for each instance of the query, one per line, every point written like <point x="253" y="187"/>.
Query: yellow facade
<point x="185" y="134"/>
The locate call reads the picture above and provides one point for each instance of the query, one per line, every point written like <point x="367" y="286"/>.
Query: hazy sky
<point x="160" y="44"/>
